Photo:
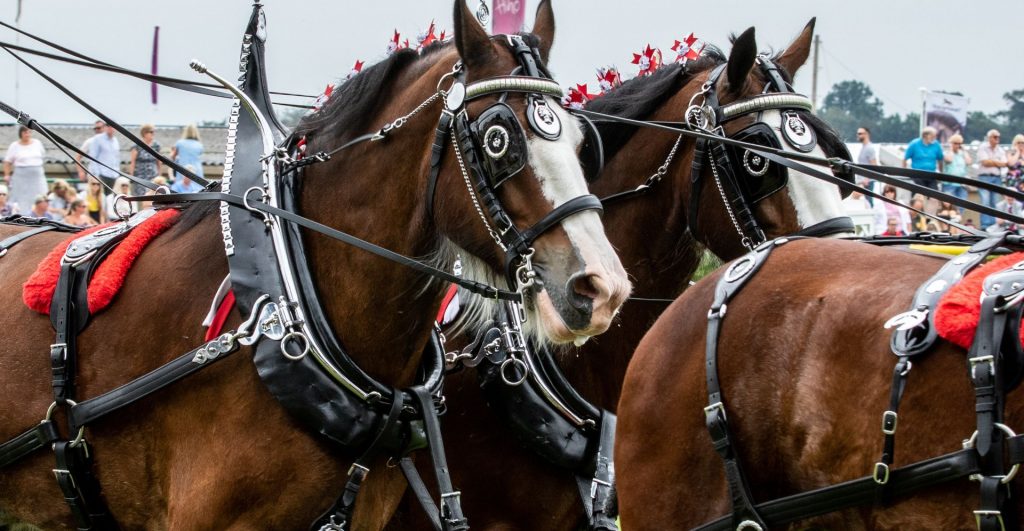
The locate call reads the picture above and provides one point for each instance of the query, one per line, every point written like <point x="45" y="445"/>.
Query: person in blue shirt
<point x="924" y="153"/>
<point x="187" y="151"/>
<point x="184" y="185"/>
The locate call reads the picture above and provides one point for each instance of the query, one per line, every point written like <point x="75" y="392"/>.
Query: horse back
<point x="805" y="370"/>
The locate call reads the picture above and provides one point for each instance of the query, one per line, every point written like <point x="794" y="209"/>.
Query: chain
<point x="663" y="169"/>
<point x="728" y="209"/>
<point x="398" y="123"/>
<point x="472" y="195"/>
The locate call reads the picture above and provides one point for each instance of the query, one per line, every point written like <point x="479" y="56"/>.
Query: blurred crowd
<point x="96" y="196"/>
<point x="992" y="163"/>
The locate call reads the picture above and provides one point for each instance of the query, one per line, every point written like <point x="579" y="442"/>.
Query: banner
<point x="507" y="16"/>
<point x="947" y="113"/>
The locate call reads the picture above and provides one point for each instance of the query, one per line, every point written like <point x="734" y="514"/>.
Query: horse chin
<point x="552" y="325"/>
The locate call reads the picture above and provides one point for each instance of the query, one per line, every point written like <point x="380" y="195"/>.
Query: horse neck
<point x="382" y="312"/>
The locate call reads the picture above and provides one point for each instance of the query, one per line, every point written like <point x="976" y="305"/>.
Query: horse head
<point x="486" y="170"/>
<point x="727" y="197"/>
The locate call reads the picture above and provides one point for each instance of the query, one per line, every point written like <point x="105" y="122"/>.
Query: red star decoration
<point x="649" y="60"/>
<point x="428" y="38"/>
<point x="687" y="49"/>
<point x="578" y="97"/>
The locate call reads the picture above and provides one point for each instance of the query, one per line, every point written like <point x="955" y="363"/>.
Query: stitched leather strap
<point x="38" y="437"/>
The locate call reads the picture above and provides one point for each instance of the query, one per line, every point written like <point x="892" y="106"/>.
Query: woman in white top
<point x="28" y="180"/>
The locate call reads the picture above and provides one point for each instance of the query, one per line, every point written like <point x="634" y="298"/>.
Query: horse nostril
<point x="582" y="291"/>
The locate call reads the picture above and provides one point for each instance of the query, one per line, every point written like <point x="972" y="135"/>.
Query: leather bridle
<point x="492" y="149"/>
<point x="743" y="177"/>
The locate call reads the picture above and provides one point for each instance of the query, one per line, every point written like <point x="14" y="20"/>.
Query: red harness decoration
<point x="109" y="276"/>
<point x="956" y="318"/>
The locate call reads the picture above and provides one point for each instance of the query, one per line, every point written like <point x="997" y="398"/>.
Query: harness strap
<point x="7" y="243"/>
<point x="36" y="438"/>
<point x="696" y="174"/>
<point x="81" y="490"/>
<point x="450" y="508"/>
<point x="419" y="489"/>
<point x="339" y="516"/>
<point x="744" y="512"/>
<point x="828" y="227"/>
<point x="238" y="202"/>
<point x="444" y="125"/>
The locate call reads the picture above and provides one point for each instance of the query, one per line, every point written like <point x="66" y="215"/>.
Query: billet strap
<point x="81" y="490"/>
<point x="38" y="437"/>
<point x="444" y="124"/>
<point x="7" y="243"/>
<point x="238" y="202"/>
<point x="339" y="516"/>
<point x="598" y="493"/>
<point x="450" y="507"/>
<point x="419" y="489"/>
<point x="732" y="281"/>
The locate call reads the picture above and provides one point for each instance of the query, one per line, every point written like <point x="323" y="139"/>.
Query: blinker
<point x="759" y="177"/>
<point x="500" y="138"/>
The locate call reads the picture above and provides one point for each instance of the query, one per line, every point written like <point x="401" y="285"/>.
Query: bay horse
<point x="660" y="250"/>
<point x="805" y="369"/>
<point x="216" y="450"/>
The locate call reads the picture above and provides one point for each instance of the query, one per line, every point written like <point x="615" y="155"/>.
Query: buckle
<point x="713" y="408"/>
<point x="889" y="420"/>
<point x="717" y="313"/>
<point x="881" y="473"/>
<point x="60" y="472"/>
<point x="59" y="348"/>
<point x="362" y="469"/>
<point x="974" y="362"/>
<point x="978" y="515"/>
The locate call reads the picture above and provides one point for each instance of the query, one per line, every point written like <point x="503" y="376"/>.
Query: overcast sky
<point x="896" y="47"/>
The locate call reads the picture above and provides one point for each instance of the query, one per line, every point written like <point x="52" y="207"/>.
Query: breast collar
<point x="758" y="177"/>
<point x="492" y="148"/>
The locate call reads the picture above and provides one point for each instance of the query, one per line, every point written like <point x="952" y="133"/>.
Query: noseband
<point x="743" y="177"/>
<point x="492" y="148"/>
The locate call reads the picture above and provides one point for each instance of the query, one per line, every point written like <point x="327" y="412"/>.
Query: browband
<point x="764" y="102"/>
<point x="513" y="84"/>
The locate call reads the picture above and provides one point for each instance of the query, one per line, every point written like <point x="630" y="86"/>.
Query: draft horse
<point x="216" y="450"/>
<point x="660" y="233"/>
<point x="805" y="370"/>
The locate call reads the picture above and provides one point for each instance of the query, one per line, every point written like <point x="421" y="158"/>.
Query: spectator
<point x="28" y="181"/>
<point x="105" y="149"/>
<point x="6" y="209"/>
<point x="160" y="181"/>
<point x="59" y="198"/>
<point x="957" y="161"/>
<point x="924" y="154"/>
<point x="142" y="164"/>
<point x="1015" y="164"/>
<point x="97" y="128"/>
<point x="187" y="150"/>
<point x="1010" y="206"/>
<point x="78" y="215"/>
<point x="95" y="201"/>
<point x="885" y="210"/>
<point x="40" y="208"/>
<point x="868" y="151"/>
<point x="921" y="222"/>
<point x="948" y="212"/>
<point x="892" y="228"/>
<point x="119" y="209"/>
<point x="184" y="185"/>
<point x="992" y="159"/>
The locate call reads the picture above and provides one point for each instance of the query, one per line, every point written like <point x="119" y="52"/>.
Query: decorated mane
<point x="640" y="96"/>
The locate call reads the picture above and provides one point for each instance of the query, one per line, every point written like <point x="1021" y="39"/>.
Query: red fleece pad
<point x="956" y="318"/>
<point x="109" y="275"/>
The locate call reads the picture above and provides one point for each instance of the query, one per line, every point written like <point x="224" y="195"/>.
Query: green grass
<point x="708" y="263"/>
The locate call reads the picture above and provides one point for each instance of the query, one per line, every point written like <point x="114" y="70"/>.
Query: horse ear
<point x="741" y="60"/>
<point x="470" y="38"/>
<point x="544" y="28"/>
<point x="796" y="53"/>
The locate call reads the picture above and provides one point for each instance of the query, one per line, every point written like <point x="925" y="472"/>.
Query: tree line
<point x="851" y="104"/>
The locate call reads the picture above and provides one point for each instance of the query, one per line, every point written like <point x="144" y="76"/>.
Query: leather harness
<point x="983" y="455"/>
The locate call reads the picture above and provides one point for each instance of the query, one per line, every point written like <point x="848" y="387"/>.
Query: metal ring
<point x="969" y="443"/>
<point x="514" y="362"/>
<point x="749" y="524"/>
<point x="121" y="197"/>
<point x="163" y="189"/>
<point x="752" y="170"/>
<point x="49" y="416"/>
<point x="295" y="336"/>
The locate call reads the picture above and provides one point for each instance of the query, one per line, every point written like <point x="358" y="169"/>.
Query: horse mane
<point x="639" y="97"/>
